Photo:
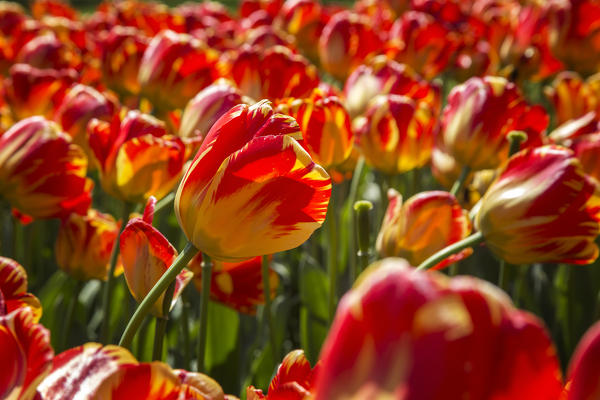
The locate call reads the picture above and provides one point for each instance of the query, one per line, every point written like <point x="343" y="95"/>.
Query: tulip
<point x="249" y="166"/>
<point x="478" y="117"/>
<point x="346" y="42"/>
<point x="587" y="150"/>
<point x="304" y="20"/>
<point x="174" y="68"/>
<point x="13" y="290"/>
<point x="273" y="73"/>
<point x="236" y="285"/>
<point x="79" y="106"/>
<point x="572" y="97"/>
<point x="84" y="245"/>
<point x="26" y="352"/>
<point x="41" y="8"/>
<point x="418" y="40"/>
<point x="207" y="107"/>
<point x="136" y="157"/>
<point x="121" y="51"/>
<point x="401" y="333"/>
<point x="112" y="373"/>
<point x="425" y="224"/>
<point x="42" y="174"/>
<point x="383" y="76"/>
<point x="31" y="91"/>
<point x="583" y="381"/>
<point x="48" y="51"/>
<point x="294" y="380"/>
<point x="146" y="255"/>
<point x="396" y="134"/>
<point x="326" y="130"/>
<point x="542" y="208"/>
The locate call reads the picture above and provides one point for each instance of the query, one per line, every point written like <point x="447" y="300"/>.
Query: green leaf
<point x="314" y="287"/>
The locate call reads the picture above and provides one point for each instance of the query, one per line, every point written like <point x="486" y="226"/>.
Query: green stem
<point x="332" y="252"/>
<point x="267" y="310"/>
<point x="110" y="279"/>
<point x="185" y="334"/>
<point x="441" y="255"/>
<point x="163" y="283"/>
<point x="460" y="182"/>
<point x="362" y="211"/>
<point x="161" y="323"/>
<point x="515" y="138"/>
<point x="164" y="202"/>
<point x="142" y="339"/>
<point x="204" y="300"/>
<point x="70" y="314"/>
<point x="352" y="196"/>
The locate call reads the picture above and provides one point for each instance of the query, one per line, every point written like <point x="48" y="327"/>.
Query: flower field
<point x="300" y="200"/>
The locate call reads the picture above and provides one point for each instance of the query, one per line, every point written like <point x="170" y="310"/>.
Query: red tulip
<point x="13" y="290"/>
<point x="572" y="97"/>
<point x="406" y="334"/>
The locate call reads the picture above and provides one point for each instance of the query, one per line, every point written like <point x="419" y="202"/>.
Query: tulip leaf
<point x="314" y="288"/>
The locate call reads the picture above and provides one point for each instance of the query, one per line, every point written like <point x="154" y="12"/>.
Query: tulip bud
<point x="42" y="174"/>
<point x="250" y="167"/>
<point x="84" y="245"/>
<point x="541" y="208"/>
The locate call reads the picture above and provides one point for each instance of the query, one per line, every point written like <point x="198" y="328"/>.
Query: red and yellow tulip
<point x="84" y="245"/>
<point x="250" y="166"/>
<point x="425" y="224"/>
<point x="542" y="208"/>
<point x="42" y="174"/>
<point x="13" y="290"/>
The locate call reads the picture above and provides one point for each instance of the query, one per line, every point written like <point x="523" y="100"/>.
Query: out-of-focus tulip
<point x="583" y="380"/>
<point x="121" y="51"/>
<point x="91" y="371"/>
<point x="146" y="256"/>
<point x="565" y="133"/>
<point x="405" y="334"/>
<point x="424" y="225"/>
<point x="26" y="352"/>
<point x="444" y="168"/>
<point x="42" y="174"/>
<point x="207" y="107"/>
<point x="136" y="157"/>
<point x="294" y="380"/>
<point x="42" y="8"/>
<point x="30" y="91"/>
<point x="13" y="289"/>
<point x="326" y="130"/>
<point x="273" y="73"/>
<point x="396" y="134"/>
<point x="478" y="117"/>
<point x="587" y="151"/>
<point x="250" y="166"/>
<point x="84" y="245"/>
<point x="345" y="43"/>
<point x="248" y="7"/>
<point x="237" y="285"/>
<point x="46" y="51"/>
<point x="12" y="15"/>
<point x="575" y="34"/>
<point x="79" y="106"/>
<point x="572" y="97"/>
<point x="384" y="76"/>
<point x="420" y="41"/>
<point x="304" y="20"/>
<point x="174" y="68"/>
<point x="542" y="208"/>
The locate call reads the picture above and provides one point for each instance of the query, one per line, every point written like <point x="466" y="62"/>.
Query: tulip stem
<point x="161" y="324"/>
<point x="352" y="196"/>
<point x="332" y="230"/>
<point x="454" y="248"/>
<point x="267" y="309"/>
<point x="163" y="283"/>
<point x="70" y="314"/>
<point x="110" y="279"/>
<point x="204" y="300"/>
<point x="164" y="202"/>
<point x="185" y="325"/>
<point x="460" y="182"/>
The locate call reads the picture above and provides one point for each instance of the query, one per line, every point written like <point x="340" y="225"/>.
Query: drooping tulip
<point x="84" y="244"/>
<point x="249" y="166"/>
<point x="146" y="255"/>
<point x="425" y="224"/>
<point x="542" y="208"/>
<point x="406" y="334"/>
<point x="42" y="174"/>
